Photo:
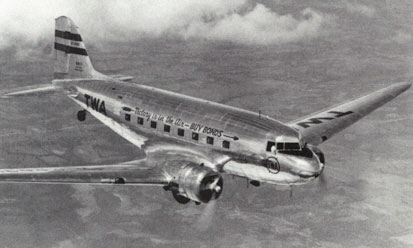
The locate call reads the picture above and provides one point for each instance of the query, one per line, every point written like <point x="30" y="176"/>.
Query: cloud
<point x="360" y="9"/>
<point x="65" y="244"/>
<point x="402" y="37"/>
<point x="25" y="23"/>
<point x="258" y="26"/>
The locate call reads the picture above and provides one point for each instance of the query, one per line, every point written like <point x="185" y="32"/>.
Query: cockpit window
<point x="280" y="146"/>
<point x="283" y="146"/>
<point x="288" y="146"/>
<point x="291" y="146"/>
<point x="305" y="152"/>
<point x="269" y="145"/>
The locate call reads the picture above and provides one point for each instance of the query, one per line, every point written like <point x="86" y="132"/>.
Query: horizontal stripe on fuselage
<point x="69" y="49"/>
<point x="67" y="35"/>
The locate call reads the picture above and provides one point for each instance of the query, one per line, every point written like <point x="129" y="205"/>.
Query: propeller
<point x="216" y="187"/>
<point x="212" y="187"/>
<point x="205" y="219"/>
<point x="322" y="181"/>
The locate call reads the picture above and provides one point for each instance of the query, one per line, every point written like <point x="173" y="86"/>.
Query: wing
<point x="123" y="78"/>
<point x="135" y="172"/>
<point x="152" y="170"/>
<point x="320" y="126"/>
<point x="29" y="90"/>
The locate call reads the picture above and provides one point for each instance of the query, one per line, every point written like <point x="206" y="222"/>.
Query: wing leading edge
<point x="322" y="125"/>
<point x="136" y="173"/>
<point x="29" y="90"/>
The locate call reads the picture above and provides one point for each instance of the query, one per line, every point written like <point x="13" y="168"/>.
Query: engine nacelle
<point x="197" y="183"/>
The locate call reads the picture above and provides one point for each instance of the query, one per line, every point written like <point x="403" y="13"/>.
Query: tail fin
<point x="71" y="59"/>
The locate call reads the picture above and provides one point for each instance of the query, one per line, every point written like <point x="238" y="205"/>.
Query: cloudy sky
<point x="285" y="58"/>
<point x="239" y="21"/>
<point x="25" y="23"/>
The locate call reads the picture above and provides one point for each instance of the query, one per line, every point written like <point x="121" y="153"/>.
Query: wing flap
<point x="320" y="126"/>
<point x="120" y="77"/>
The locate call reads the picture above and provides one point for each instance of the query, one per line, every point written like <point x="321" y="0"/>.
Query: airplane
<point x="189" y="143"/>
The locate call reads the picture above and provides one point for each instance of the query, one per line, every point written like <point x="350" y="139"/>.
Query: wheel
<point x="81" y="115"/>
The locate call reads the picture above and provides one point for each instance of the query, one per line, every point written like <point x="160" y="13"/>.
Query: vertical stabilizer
<point x="71" y="58"/>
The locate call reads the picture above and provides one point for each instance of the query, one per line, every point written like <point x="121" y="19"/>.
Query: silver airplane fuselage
<point x="188" y="142"/>
<point x="194" y="124"/>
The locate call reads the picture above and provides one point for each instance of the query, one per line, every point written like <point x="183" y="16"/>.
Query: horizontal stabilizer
<point x="123" y="78"/>
<point x="30" y="90"/>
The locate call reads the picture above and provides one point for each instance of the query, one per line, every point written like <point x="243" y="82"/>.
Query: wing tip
<point x="399" y="88"/>
<point x="403" y="85"/>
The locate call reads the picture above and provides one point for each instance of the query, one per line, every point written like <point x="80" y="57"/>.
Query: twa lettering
<point x="319" y="120"/>
<point x="95" y="103"/>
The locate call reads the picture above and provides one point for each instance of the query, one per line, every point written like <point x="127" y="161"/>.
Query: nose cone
<point x="304" y="166"/>
<point x="309" y="167"/>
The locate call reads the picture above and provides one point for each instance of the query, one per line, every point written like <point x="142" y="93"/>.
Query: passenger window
<point x="225" y="144"/>
<point x="195" y="136"/>
<point x="280" y="146"/>
<point x="210" y="140"/>
<point x="153" y="124"/>
<point x="181" y="132"/>
<point x="166" y="128"/>
<point x="269" y="145"/>
<point x="127" y="117"/>
<point x="140" y="120"/>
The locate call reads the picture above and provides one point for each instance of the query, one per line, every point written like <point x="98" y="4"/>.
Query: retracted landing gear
<point x="81" y="115"/>
<point x="255" y="183"/>
<point x="180" y="198"/>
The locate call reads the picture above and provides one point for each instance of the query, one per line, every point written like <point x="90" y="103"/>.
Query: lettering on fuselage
<point x="207" y="130"/>
<point x="319" y="120"/>
<point x="159" y="117"/>
<point x="143" y="113"/>
<point x="95" y="103"/>
<point x="171" y="120"/>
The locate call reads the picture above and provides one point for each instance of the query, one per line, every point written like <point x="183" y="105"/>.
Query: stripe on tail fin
<point x="71" y="58"/>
